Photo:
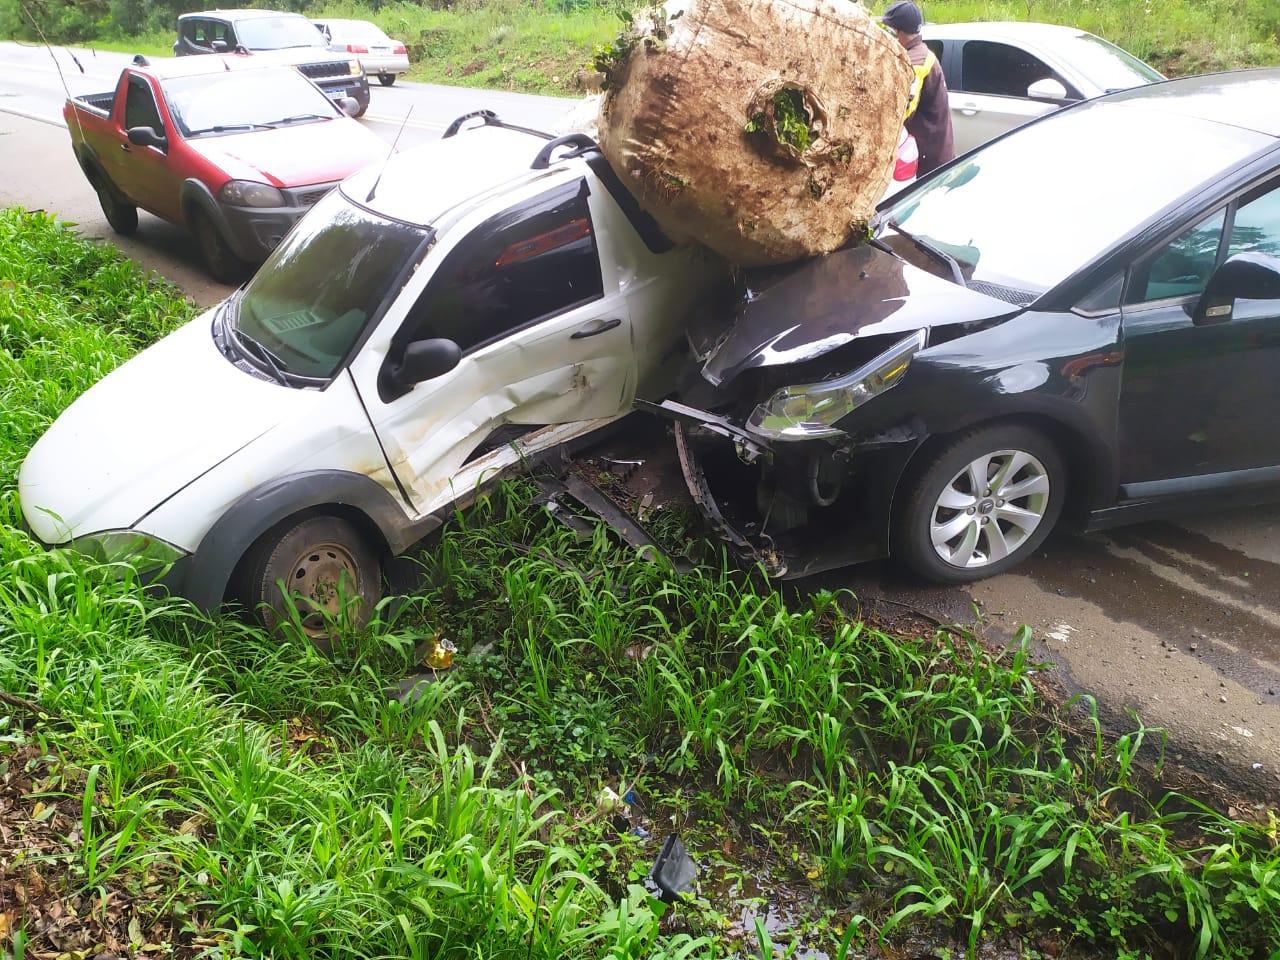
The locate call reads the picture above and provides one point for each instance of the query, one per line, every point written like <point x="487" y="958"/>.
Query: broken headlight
<point x="144" y="553"/>
<point x="810" y="410"/>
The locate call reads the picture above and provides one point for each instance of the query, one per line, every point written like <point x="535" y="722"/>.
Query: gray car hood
<point x="832" y="300"/>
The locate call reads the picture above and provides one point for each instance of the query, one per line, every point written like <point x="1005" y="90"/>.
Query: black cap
<point x="903" y="15"/>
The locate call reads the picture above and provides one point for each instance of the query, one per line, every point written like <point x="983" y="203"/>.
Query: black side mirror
<point x="221" y="46"/>
<point x="426" y="360"/>
<point x="146" y="137"/>
<point x="1246" y="276"/>
<point x="349" y="105"/>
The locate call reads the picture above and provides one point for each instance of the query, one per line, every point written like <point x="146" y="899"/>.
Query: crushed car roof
<point x="422" y="184"/>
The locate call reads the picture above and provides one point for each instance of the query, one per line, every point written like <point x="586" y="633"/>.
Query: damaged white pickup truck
<point x="427" y="327"/>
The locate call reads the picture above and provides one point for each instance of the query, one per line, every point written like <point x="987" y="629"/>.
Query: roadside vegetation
<point x="178" y="785"/>
<point x="545" y="46"/>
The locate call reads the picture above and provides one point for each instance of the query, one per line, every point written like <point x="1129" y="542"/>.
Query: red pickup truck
<point x="235" y="150"/>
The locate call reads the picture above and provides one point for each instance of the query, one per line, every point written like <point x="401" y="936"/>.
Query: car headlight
<point x="810" y="410"/>
<point x="354" y="67"/>
<point x="143" y="552"/>
<point x="250" y="193"/>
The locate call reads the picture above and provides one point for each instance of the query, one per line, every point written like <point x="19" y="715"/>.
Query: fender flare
<point x="92" y="166"/>
<point x="194" y="193"/>
<point x="204" y="576"/>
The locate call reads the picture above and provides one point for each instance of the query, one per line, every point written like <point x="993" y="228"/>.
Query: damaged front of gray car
<point x="793" y="427"/>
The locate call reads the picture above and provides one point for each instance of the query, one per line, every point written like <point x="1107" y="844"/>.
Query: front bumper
<point x="338" y="87"/>
<point x="253" y="232"/>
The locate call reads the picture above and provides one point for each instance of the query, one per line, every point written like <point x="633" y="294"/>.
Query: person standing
<point x="928" y="113"/>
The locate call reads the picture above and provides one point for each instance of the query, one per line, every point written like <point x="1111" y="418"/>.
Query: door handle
<point x="124" y="147"/>
<point x="970" y="109"/>
<point x="595" y="327"/>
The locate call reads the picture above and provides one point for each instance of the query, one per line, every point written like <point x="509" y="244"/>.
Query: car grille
<point x="1019" y="298"/>
<point x="311" y="197"/>
<point x="330" y="68"/>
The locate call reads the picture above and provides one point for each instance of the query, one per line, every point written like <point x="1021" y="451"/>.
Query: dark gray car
<point x="254" y="31"/>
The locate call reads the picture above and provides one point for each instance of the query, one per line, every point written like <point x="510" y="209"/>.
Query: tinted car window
<point x="140" y="107"/>
<point x="1002" y="70"/>
<point x="1183" y="267"/>
<point x="1257" y="223"/>
<point x="197" y="31"/>
<point x="527" y="264"/>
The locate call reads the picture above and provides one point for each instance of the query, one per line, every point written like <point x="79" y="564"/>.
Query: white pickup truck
<point x="430" y="325"/>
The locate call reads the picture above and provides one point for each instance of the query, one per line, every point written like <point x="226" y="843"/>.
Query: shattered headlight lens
<point x="143" y="552"/>
<point x="250" y="193"/>
<point x="810" y="410"/>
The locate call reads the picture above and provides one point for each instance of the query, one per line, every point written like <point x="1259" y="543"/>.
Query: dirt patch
<point x="47" y="909"/>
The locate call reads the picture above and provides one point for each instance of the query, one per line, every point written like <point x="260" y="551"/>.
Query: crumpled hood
<point x="294" y="156"/>
<point x="829" y="301"/>
<point x="143" y="433"/>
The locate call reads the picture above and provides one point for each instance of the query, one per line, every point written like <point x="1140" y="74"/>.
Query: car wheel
<point x="386" y="79"/>
<point x="120" y="213"/>
<point x="321" y="561"/>
<point x="980" y="505"/>
<point x="219" y="259"/>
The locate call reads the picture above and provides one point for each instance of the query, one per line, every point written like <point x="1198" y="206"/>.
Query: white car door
<point x="546" y="347"/>
<point x="992" y="93"/>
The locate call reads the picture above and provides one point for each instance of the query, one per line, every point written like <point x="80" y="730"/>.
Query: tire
<point x="989" y="533"/>
<point x="386" y="79"/>
<point x="219" y="259"/>
<point x="313" y="556"/>
<point x="120" y="213"/>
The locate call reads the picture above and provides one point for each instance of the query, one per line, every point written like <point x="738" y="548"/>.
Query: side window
<point x="220" y="31"/>
<point x="140" y="107"/>
<point x="1002" y="70"/>
<point x="938" y="47"/>
<point x="1256" y="227"/>
<point x="1183" y="266"/>
<point x="526" y="264"/>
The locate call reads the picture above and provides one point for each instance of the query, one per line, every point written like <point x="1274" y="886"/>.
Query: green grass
<point x="883" y="783"/>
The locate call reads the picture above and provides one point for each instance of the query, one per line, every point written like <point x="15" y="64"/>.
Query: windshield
<point x="1106" y="64"/>
<point x="332" y="274"/>
<point x="1029" y="210"/>
<point x="278" y="33"/>
<point x="229" y="102"/>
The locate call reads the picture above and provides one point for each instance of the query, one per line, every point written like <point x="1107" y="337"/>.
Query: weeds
<point x="295" y="810"/>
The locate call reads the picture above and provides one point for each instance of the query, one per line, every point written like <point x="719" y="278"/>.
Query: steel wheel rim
<point x="315" y="578"/>
<point x="990" y="509"/>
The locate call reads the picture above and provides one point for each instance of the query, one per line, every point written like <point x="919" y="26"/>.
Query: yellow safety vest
<point x="917" y="85"/>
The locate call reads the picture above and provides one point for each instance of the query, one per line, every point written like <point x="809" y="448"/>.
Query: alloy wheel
<point x="989" y="509"/>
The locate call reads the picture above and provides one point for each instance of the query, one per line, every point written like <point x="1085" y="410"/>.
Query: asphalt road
<point x="1178" y="623"/>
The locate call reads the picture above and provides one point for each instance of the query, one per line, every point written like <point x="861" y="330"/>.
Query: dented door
<point x="546" y="347"/>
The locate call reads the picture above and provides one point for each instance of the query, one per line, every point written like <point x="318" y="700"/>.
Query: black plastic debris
<point x="673" y="872"/>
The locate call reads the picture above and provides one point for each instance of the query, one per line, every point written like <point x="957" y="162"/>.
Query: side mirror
<point x="425" y="360"/>
<point x="146" y="137"/>
<point x="1246" y="276"/>
<point x="349" y="105"/>
<point x="221" y="46"/>
<point x="1047" y="89"/>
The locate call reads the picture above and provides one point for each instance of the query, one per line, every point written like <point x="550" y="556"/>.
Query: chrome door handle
<point x="970" y="109"/>
<point x="596" y="327"/>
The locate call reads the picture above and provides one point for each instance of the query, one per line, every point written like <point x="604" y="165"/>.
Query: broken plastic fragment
<point x="673" y="872"/>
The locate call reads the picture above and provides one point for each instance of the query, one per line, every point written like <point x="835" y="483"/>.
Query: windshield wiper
<point x="946" y="259"/>
<point x="225" y="127"/>
<point x="297" y="118"/>
<point x="274" y="363"/>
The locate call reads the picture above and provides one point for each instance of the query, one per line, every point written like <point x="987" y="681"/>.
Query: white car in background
<point x="379" y="55"/>
<point x="1000" y="75"/>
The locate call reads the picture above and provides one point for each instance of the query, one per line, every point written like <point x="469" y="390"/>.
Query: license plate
<point x="380" y="49"/>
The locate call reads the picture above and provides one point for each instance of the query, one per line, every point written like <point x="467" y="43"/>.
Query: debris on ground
<point x="673" y="872"/>
<point x="764" y="129"/>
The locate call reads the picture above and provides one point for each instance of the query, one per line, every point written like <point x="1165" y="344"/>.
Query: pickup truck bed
<point x="100" y="103"/>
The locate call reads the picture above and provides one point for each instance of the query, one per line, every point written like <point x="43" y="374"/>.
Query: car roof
<point x="424" y="184"/>
<point x="1007" y="29"/>
<point x="239" y="14"/>
<point x="165" y="68"/>
<point x="1248" y="99"/>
